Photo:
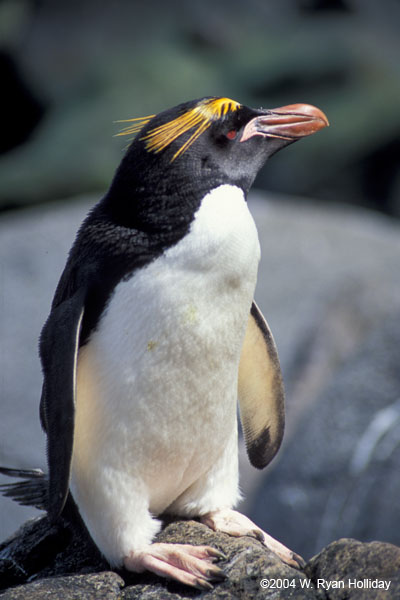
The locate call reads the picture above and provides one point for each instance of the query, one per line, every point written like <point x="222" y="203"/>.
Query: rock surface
<point x="60" y="561"/>
<point x="105" y="586"/>
<point x="336" y="475"/>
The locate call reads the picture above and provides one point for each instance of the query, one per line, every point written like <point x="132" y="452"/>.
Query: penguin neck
<point x="160" y="215"/>
<point x="158" y="206"/>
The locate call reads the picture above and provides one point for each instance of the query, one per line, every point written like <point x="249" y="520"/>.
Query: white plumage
<point x="156" y="424"/>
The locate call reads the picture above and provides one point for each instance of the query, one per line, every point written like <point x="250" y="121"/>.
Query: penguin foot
<point x="234" y="523"/>
<point x="191" y="565"/>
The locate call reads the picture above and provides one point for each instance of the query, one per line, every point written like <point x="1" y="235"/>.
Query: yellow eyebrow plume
<point x="200" y="116"/>
<point x="138" y="124"/>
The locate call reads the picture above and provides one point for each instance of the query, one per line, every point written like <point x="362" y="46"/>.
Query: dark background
<point x="329" y="279"/>
<point x="69" y="69"/>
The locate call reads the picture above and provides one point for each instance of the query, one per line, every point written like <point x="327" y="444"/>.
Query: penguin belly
<point x="156" y="424"/>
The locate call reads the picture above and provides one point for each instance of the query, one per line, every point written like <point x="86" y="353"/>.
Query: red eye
<point x="231" y="134"/>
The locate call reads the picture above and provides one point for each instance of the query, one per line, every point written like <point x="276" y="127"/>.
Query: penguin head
<point x="216" y="140"/>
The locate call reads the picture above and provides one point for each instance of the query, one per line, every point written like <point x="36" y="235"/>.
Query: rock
<point x="45" y="555"/>
<point x="349" y="561"/>
<point x="329" y="284"/>
<point x="33" y="249"/>
<point x="105" y="586"/>
<point x="338" y="475"/>
<point x="60" y="561"/>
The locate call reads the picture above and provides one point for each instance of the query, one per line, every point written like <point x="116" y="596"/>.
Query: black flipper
<point x="30" y="492"/>
<point x="59" y="345"/>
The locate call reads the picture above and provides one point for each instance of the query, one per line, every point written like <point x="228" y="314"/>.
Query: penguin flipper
<point x="59" y="345"/>
<point x="260" y="392"/>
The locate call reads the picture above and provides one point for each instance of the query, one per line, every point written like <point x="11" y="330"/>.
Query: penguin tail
<point x="30" y="492"/>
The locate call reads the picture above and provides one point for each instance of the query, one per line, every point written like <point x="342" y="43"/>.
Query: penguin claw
<point x="216" y="555"/>
<point x="217" y="575"/>
<point x="235" y="524"/>
<point x="203" y="584"/>
<point x="191" y="565"/>
<point x="299" y="560"/>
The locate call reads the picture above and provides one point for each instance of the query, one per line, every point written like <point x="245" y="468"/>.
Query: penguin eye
<point x="231" y="134"/>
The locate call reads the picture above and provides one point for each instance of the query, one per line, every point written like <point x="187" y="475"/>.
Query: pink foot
<point x="234" y="523"/>
<point x="192" y="565"/>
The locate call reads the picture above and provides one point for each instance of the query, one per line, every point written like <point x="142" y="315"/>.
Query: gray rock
<point x="105" y="586"/>
<point x="51" y="557"/>
<point x="337" y="476"/>
<point x="33" y="250"/>
<point x="329" y="284"/>
<point x="62" y="549"/>
<point x="348" y="560"/>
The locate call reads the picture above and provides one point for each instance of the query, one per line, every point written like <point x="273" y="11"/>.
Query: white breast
<point x="157" y="383"/>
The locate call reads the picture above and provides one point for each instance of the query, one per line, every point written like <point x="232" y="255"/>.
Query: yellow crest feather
<point x="138" y="124"/>
<point x="200" y="116"/>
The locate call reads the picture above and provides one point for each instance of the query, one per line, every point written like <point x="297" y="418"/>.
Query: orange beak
<point x="287" y="122"/>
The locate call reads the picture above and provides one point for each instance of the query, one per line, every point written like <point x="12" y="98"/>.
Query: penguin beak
<point x="287" y="123"/>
